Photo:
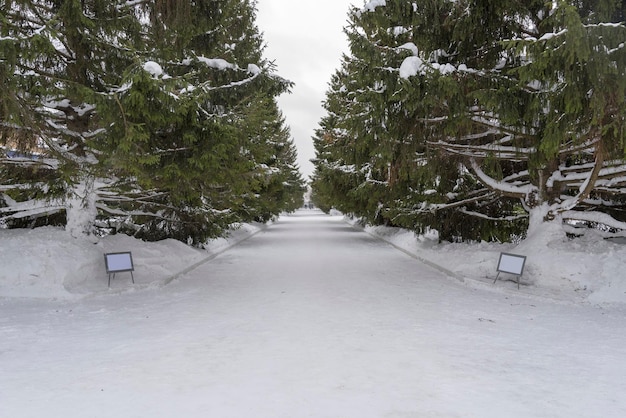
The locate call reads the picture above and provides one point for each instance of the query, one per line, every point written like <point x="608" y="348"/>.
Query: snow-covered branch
<point x="30" y="208"/>
<point x="492" y="218"/>
<point x="481" y="195"/>
<point x="613" y="172"/>
<point x="521" y="191"/>
<point x="482" y="151"/>
<point x="594" y="216"/>
<point x="28" y="162"/>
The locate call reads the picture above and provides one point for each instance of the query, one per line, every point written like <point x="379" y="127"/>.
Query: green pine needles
<point x="470" y="116"/>
<point x="153" y="118"/>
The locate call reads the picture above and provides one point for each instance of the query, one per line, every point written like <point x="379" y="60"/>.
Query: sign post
<point x="512" y="264"/>
<point x="119" y="262"/>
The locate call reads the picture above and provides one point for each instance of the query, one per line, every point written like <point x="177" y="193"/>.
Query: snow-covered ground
<point x="48" y="263"/>
<point x="310" y="317"/>
<point x="587" y="269"/>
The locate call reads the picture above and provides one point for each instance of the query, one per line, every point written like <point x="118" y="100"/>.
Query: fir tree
<point x="152" y="124"/>
<point x="546" y="123"/>
<point x="60" y="62"/>
<point x="504" y="108"/>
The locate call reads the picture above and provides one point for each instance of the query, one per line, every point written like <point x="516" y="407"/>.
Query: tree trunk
<point x="541" y="231"/>
<point x="80" y="208"/>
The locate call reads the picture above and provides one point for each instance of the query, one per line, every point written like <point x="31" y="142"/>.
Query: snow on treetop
<point x="153" y="68"/>
<point x="372" y="5"/>
<point x="54" y="104"/>
<point x="411" y="66"/>
<point x="399" y="30"/>
<point x="411" y="47"/>
<point x="444" y="68"/>
<point x="254" y="69"/>
<point x="131" y="3"/>
<point x="217" y="63"/>
<point x="551" y="35"/>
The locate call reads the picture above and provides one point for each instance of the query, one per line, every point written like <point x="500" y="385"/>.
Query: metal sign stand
<point x="512" y="264"/>
<point x="119" y="262"/>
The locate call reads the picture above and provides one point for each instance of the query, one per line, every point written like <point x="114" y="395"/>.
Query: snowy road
<point x="311" y="318"/>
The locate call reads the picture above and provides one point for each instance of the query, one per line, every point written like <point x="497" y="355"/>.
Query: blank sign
<point x="116" y="262"/>
<point x="511" y="263"/>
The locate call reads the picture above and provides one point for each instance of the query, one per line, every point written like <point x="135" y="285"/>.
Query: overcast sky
<point x="305" y="39"/>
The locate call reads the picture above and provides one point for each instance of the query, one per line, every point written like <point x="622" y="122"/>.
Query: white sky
<point x="305" y="39"/>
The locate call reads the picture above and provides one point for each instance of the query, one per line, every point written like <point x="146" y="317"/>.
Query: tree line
<point x="480" y="119"/>
<point x="156" y="118"/>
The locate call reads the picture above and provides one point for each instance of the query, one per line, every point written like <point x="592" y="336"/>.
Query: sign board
<point x="512" y="264"/>
<point x="119" y="262"/>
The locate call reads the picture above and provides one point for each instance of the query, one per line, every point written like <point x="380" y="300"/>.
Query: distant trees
<point x="467" y="116"/>
<point x="153" y="117"/>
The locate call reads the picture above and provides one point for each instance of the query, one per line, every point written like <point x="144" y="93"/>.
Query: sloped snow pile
<point x="49" y="263"/>
<point x="584" y="269"/>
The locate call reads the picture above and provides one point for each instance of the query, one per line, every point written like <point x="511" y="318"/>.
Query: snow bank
<point x="586" y="269"/>
<point x="37" y="262"/>
<point x="49" y="263"/>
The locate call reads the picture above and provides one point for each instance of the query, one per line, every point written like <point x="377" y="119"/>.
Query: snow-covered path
<point x="311" y="318"/>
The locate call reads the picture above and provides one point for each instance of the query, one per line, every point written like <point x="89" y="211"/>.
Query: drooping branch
<point x="521" y="191"/>
<point x="499" y="152"/>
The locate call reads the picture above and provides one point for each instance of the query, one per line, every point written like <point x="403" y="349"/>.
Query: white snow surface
<point x="153" y="68"/>
<point x="411" y="66"/>
<point x="311" y="316"/>
<point x="48" y="263"/>
<point x="372" y="5"/>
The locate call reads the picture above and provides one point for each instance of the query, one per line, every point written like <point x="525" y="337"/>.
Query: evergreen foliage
<point x="146" y="117"/>
<point x="466" y="116"/>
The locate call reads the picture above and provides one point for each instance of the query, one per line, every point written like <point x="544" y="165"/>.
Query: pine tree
<point x="59" y="62"/>
<point x="508" y="107"/>
<point x="456" y="53"/>
<point x="207" y="83"/>
<point x="336" y="174"/>
<point x="276" y="183"/>
<point x="546" y="122"/>
<point x="151" y="123"/>
<point x="366" y="155"/>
